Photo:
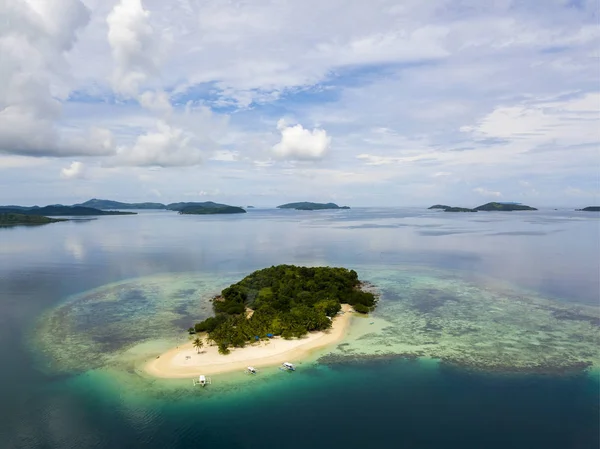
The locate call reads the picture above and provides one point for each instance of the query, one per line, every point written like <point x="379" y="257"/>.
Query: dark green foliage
<point x="459" y="209"/>
<point x="493" y="206"/>
<point x="361" y="308"/>
<point x="286" y="300"/>
<point x="209" y="324"/>
<point x="305" y="205"/>
<point x="205" y="204"/>
<point x="207" y="208"/>
<point x="12" y="219"/>
<point x="591" y="209"/>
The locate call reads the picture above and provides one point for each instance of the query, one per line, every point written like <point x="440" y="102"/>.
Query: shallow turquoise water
<point x="358" y="403"/>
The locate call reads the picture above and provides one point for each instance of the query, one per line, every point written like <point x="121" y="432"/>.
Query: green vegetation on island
<point x="305" y="205"/>
<point x="459" y="209"/>
<point x="504" y="207"/>
<point x="285" y="300"/>
<point x="59" y="210"/>
<point x="109" y="204"/>
<point x="12" y="219"/>
<point x="205" y="208"/>
<point x="590" y="209"/>
<point x="494" y="206"/>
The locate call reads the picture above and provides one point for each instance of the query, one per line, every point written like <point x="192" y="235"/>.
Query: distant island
<point x="493" y="206"/>
<point x="205" y="208"/>
<point x="284" y="300"/>
<point x="249" y="207"/>
<point x="590" y="209"/>
<point x="105" y="207"/>
<point x="504" y="207"/>
<point x="305" y="205"/>
<point x="200" y="210"/>
<point x="12" y="219"/>
<point x="108" y="204"/>
<point x="59" y="210"/>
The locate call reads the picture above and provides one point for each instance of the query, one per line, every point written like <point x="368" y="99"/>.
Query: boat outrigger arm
<point x="202" y="381"/>
<point x="288" y="366"/>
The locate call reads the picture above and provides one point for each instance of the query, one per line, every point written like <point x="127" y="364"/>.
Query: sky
<point x="364" y="103"/>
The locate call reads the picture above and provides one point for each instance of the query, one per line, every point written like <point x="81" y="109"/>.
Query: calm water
<point x="392" y="403"/>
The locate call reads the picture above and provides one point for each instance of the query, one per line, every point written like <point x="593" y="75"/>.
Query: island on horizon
<point x="493" y="206"/>
<point x="109" y="204"/>
<point x="190" y="207"/>
<point x="58" y="210"/>
<point x="270" y="316"/>
<point x="307" y="205"/>
<point x="12" y="219"/>
<point x="205" y="208"/>
<point x="590" y="209"/>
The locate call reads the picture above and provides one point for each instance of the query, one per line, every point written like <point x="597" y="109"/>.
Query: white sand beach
<point x="185" y="361"/>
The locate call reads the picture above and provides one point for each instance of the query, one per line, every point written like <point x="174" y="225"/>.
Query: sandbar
<point x="185" y="361"/>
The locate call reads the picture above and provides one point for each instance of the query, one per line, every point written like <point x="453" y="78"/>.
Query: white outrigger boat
<point x="203" y="381"/>
<point x="287" y="366"/>
<point x="251" y="370"/>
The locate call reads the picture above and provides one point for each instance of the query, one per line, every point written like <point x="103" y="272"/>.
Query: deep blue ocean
<point x="387" y="403"/>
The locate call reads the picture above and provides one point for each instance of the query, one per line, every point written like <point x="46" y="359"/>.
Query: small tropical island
<point x="11" y="219"/>
<point x="306" y="205"/>
<point x="590" y="209"/>
<point x="272" y="315"/>
<point x="493" y="206"/>
<point x="206" y="208"/>
<point x="504" y="207"/>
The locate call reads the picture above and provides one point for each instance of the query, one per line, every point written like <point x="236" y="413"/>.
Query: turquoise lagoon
<point x="486" y="334"/>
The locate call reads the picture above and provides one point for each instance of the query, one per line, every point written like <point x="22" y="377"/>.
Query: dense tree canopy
<point x="12" y="219"/>
<point x="285" y="300"/>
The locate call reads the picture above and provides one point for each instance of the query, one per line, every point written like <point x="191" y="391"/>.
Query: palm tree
<point x="198" y="344"/>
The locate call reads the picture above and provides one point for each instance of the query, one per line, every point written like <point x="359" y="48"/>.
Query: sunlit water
<point x="83" y="305"/>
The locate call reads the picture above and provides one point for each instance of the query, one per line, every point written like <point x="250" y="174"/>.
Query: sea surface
<point x="80" y="300"/>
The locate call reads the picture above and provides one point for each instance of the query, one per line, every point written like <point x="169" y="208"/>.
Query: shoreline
<point x="184" y="361"/>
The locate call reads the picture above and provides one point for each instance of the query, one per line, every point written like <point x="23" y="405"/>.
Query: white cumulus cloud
<point x="301" y="144"/>
<point x="167" y="146"/>
<point x="74" y="171"/>
<point x="135" y="44"/>
<point x="34" y="38"/>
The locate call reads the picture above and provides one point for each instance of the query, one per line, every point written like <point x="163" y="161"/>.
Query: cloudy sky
<point x="266" y="101"/>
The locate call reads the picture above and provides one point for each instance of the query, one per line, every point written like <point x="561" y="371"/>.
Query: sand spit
<point x="185" y="361"/>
